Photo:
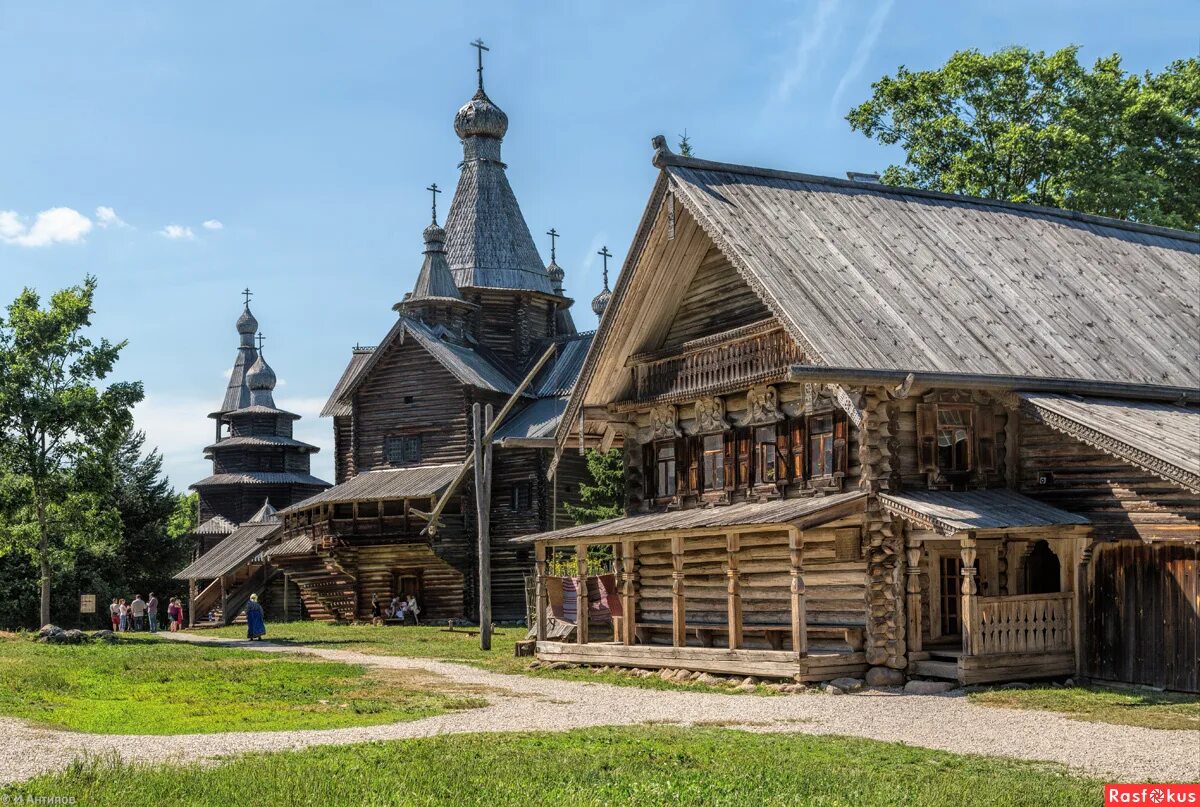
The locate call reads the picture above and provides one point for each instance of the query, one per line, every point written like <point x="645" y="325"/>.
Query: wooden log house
<point x="258" y="467"/>
<point x="871" y="426"/>
<point x="483" y="310"/>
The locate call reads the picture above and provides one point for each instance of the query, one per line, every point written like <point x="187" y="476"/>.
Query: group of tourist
<point x="402" y="609"/>
<point x="142" y="615"/>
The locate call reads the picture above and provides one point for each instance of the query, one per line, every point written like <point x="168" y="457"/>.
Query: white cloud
<point x="871" y="34"/>
<point x="107" y="217"/>
<point x="58" y="225"/>
<point x="810" y="43"/>
<point x="177" y="232"/>
<point x="213" y="224"/>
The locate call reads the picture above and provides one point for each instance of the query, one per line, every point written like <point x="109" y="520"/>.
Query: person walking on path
<point x="114" y="613"/>
<point x="256" y="627"/>
<point x="152" y="613"/>
<point x="138" y="610"/>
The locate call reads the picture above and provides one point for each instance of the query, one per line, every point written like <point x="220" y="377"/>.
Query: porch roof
<point x="796" y="512"/>
<point x="949" y="513"/>
<point x="412" y="482"/>
<point x="239" y="547"/>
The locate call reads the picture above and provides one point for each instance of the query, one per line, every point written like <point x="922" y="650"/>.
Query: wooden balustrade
<point x="746" y="356"/>
<point x="1028" y="623"/>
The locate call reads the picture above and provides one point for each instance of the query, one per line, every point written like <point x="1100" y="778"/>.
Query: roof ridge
<point x="664" y="159"/>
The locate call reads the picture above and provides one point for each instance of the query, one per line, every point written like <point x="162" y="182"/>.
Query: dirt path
<point x="519" y="703"/>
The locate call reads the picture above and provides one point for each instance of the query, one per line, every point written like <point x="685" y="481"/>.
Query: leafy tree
<point x="603" y="498"/>
<point x="183" y="518"/>
<point x="1030" y="127"/>
<point x="56" y="426"/>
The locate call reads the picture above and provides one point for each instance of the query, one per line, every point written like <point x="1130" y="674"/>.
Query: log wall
<point x="716" y="300"/>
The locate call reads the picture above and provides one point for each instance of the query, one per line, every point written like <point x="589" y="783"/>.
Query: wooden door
<point x="1142" y="623"/>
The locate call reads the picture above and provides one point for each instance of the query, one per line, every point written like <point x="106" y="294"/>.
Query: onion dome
<point x="260" y="380"/>
<point x="479" y="117"/>
<point x="600" y="301"/>
<point x="246" y="323"/>
<point x="557" y="275"/>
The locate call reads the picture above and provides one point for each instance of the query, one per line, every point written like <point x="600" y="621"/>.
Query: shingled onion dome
<point x="479" y="117"/>
<point x="260" y="379"/>
<point x="247" y="326"/>
<point x="435" y="294"/>
<point x="600" y="301"/>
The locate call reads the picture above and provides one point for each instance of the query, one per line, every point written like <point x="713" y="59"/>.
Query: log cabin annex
<point x="876" y="427"/>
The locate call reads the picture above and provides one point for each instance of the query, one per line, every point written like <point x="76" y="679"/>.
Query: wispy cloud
<point x="177" y="232"/>
<point x="811" y="42"/>
<point x="213" y="224"/>
<point x="862" y="52"/>
<point x="107" y="217"/>
<point x="58" y="225"/>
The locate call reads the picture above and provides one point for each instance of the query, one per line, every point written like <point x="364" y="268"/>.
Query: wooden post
<point x="799" y="608"/>
<point x="734" y="590"/>
<point x="286" y="617"/>
<point x="540" y="598"/>
<point x="914" y="598"/>
<point x="481" y="421"/>
<point x="224" y="603"/>
<point x="581" y="594"/>
<point x="1077" y="618"/>
<point x="192" y="592"/>
<point x="970" y="608"/>
<point x="678" y="609"/>
<point x="629" y="591"/>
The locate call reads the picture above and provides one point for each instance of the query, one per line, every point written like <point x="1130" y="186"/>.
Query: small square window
<point x="521" y="498"/>
<point x="402" y="450"/>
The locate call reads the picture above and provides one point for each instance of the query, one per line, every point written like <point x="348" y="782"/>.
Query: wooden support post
<point x="913" y="604"/>
<point x="629" y="591"/>
<point x="540" y="599"/>
<point x="192" y="592"/>
<point x="970" y="606"/>
<point x="286" y="617"/>
<point x="581" y="594"/>
<point x="224" y="602"/>
<point x="678" y="609"/>
<point x="482" y="421"/>
<point x="1080" y="610"/>
<point x="734" y="590"/>
<point x="799" y="608"/>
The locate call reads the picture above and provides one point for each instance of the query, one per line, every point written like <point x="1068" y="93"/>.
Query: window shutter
<point x="782" y="471"/>
<point x="694" y="452"/>
<point x="649" y="472"/>
<point x="799" y="468"/>
<point x="927" y="437"/>
<point x="731" y="465"/>
<point x="985" y="429"/>
<point x="745" y="458"/>
<point x="682" y="456"/>
<point x="841" y="460"/>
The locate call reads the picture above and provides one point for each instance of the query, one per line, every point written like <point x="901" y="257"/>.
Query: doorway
<point x="949" y="580"/>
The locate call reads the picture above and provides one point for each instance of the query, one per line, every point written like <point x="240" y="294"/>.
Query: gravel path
<point x="520" y="703"/>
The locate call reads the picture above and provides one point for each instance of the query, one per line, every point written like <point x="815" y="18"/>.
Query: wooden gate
<point x="1143" y="615"/>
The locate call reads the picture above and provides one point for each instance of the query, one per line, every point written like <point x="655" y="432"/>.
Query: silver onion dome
<point x="246" y="323"/>
<point x="480" y="117"/>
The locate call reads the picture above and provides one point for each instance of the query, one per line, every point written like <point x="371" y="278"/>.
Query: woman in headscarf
<point x="256" y="627"/>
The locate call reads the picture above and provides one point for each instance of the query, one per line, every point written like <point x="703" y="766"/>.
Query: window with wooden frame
<point x="402" y="449"/>
<point x="663" y="453"/>
<point x="521" y="498"/>
<point x="820" y="446"/>
<point x="713" y="462"/>
<point x="766" y="455"/>
<point x="796" y="443"/>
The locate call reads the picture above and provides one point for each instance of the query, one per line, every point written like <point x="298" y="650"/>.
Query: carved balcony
<point x="755" y="354"/>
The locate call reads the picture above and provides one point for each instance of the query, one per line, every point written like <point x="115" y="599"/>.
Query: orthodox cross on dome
<point x="480" y="47"/>
<point x="261" y="339"/>
<point x="434" y="190"/>
<point x="553" y="233"/>
<point x="247" y="294"/>
<point x="604" y="253"/>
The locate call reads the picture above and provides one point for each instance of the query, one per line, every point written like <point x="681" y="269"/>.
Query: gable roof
<point x="236" y="549"/>
<point x="337" y="403"/>
<point x="410" y="482"/>
<point x="1159" y="437"/>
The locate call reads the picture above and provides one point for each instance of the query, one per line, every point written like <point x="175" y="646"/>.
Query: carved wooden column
<point x="734" y="590"/>
<point x="970" y="606"/>
<point x="629" y="583"/>
<point x="581" y="594"/>
<point x="678" y="611"/>
<point x="540" y="595"/>
<point x="913" y="589"/>
<point x="799" y="610"/>
<point x="1080" y="610"/>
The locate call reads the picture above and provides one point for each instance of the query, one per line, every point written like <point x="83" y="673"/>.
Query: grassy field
<point x="1127" y="707"/>
<point x="652" y="766"/>
<point x="427" y="641"/>
<point x="143" y="686"/>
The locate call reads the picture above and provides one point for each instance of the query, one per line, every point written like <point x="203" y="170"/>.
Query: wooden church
<point x="483" y="309"/>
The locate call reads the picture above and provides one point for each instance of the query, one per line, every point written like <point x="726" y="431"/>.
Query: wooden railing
<point x="1026" y="623"/>
<point x="750" y="355"/>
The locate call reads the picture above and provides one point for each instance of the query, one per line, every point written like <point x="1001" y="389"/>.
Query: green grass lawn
<point x="644" y="766"/>
<point x="1127" y="707"/>
<point x="144" y="686"/>
<point x="428" y="641"/>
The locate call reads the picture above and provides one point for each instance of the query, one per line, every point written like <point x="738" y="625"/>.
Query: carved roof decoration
<point x="1161" y="438"/>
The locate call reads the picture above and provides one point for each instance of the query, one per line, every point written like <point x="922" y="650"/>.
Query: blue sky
<point x="304" y="135"/>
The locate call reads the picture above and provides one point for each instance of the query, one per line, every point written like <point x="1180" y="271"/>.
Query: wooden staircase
<point x="329" y="592"/>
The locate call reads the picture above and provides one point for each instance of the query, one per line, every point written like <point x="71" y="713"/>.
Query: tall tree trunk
<point x="43" y="555"/>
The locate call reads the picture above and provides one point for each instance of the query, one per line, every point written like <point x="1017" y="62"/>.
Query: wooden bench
<point x="852" y="635"/>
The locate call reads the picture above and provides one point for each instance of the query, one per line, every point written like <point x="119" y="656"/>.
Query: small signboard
<point x="87" y="603"/>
